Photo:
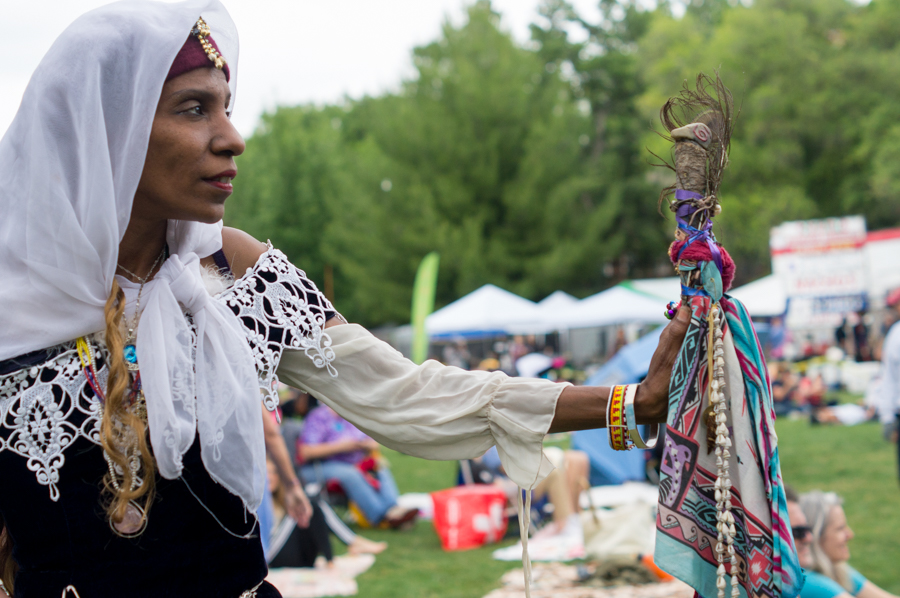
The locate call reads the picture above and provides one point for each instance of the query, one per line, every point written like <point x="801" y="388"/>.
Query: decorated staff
<point x="722" y="525"/>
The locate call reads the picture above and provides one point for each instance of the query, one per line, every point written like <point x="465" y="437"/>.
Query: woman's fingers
<point x="655" y="387"/>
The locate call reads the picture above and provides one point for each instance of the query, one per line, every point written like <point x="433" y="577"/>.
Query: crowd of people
<point x="821" y="530"/>
<point x="799" y="386"/>
<point x="340" y="467"/>
<point x="541" y="354"/>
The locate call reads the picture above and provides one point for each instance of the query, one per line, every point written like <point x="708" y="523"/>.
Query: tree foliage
<point x="527" y="167"/>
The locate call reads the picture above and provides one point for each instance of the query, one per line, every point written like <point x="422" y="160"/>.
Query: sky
<point x="292" y="51"/>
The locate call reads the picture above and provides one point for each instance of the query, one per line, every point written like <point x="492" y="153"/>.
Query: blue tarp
<point x="607" y="465"/>
<point x="628" y="366"/>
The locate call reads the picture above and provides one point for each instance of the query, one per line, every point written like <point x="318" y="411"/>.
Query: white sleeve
<point x="430" y="410"/>
<point x="890" y="376"/>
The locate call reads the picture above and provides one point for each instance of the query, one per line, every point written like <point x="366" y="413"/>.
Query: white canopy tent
<point x="557" y="300"/>
<point x="488" y="310"/>
<point x="763" y="298"/>
<point x="617" y="305"/>
<point x="668" y="288"/>
<point x="554" y="307"/>
<point x="492" y="310"/>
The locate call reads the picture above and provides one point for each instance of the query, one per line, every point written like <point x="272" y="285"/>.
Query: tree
<point x="814" y="135"/>
<point x="627" y="237"/>
<point x="290" y="175"/>
<point x="479" y="148"/>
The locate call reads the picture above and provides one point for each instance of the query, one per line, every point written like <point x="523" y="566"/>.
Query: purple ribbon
<point x="694" y="234"/>
<point x="683" y="194"/>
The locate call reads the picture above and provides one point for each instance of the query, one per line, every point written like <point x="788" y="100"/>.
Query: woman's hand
<point x="651" y="403"/>
<point x="368" y="445"/>
<point x="297" y="504"/>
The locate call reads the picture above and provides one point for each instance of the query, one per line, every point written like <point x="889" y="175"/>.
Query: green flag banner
<point x="423" y="304"/>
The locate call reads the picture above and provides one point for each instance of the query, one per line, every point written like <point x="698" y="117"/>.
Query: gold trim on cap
<point x="201" y="32"/>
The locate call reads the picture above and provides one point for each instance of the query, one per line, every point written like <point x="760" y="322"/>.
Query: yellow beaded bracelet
<point x="615" y="419"/>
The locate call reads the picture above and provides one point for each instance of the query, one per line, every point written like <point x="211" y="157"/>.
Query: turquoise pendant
<point x="130" y="354"/>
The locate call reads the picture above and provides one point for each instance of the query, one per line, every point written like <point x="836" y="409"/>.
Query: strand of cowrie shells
<point x="725" y="519"/>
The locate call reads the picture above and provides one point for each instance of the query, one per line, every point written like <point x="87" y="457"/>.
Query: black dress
<point x="199" y="540"/>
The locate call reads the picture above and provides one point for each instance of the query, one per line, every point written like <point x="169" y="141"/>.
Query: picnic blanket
<point x="337" y="580"/>
<point x="555" y="580"/>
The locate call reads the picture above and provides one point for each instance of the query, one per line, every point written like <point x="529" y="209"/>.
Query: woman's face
<point x="190" y="159"/>
<point x="836" y="536"/>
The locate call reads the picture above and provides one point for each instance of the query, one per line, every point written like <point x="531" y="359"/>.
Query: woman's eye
<point x="197" y="110"/>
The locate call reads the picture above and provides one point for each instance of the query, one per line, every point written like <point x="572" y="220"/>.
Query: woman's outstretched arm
<point x="578" y="407"/>
<point x="584" y="407"/>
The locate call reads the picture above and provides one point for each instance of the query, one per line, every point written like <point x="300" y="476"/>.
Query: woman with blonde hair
<point x="139" y="336"/>
<point x="830" y="574"/>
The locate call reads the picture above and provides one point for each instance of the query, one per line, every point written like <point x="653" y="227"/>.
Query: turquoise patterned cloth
<point x="686" y="522"/>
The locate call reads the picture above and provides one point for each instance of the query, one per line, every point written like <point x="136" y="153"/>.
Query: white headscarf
<point x="69" y="168"/>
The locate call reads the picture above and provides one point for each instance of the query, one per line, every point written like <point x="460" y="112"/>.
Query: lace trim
<point x="281" y="309"/>
<point x="37" y="406"/>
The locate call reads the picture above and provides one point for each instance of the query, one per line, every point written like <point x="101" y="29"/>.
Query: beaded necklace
<point x="86" y="355"/>
<point x="130" y="351"/>
<point x="135" y="520"/>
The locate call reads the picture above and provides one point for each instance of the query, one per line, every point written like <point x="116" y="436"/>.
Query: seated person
<point x="811" y="391"/>
<point x="799" y="527"/>
<point x="330" y="447"/>
<point x="292" y="401"/>
<point x="289" y="544"/>
<point x="784" y="389"/>
<point x="828" y="574"/>
<point x="562" y="487"/>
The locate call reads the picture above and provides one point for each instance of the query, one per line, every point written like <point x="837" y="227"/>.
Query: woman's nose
<point x="228" y="140"/>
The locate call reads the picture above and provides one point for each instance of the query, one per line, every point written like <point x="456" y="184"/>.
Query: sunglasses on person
<point x="801" y="532"/>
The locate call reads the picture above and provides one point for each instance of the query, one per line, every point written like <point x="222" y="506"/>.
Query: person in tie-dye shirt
<point x="331" y="448"/>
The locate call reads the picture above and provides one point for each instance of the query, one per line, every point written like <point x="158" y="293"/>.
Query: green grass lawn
<point x="855" y="462"/>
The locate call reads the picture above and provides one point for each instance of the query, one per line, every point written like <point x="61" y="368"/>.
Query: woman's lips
<point x="222" y="180"/>
<point x="218" y="184"/>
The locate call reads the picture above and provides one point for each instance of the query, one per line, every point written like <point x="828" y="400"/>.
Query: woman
<point x="289" y="544"/>
<point x="829" y="574"/>
<point x="131" y="363"/>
